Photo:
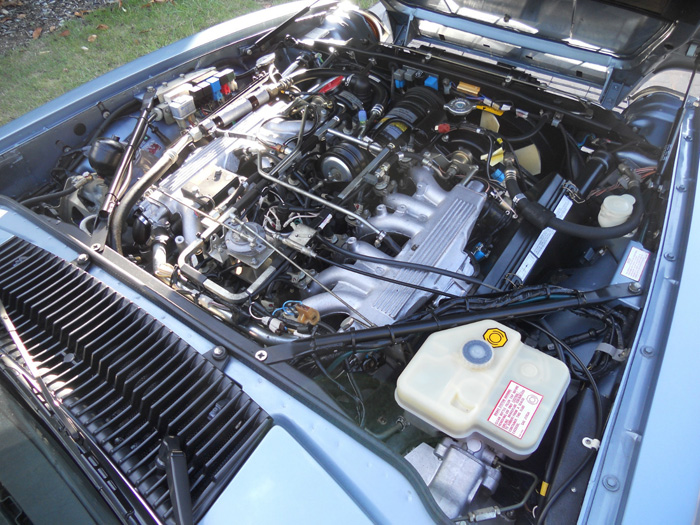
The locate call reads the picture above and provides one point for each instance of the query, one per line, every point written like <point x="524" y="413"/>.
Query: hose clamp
<point x="511" y="174"/>
<point x="519" y="197"/>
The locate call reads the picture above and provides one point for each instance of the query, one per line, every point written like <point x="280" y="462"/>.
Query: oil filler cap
<point x="478" y="354"/>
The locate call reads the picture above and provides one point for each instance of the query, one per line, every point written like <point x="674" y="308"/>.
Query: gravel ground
<point x="24" y="20"/>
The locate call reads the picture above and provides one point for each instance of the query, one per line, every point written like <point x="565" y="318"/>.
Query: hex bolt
<point x="83" y="259"/>
<point x="261" y="355"/>
<point x="647" y="351"/>
<point x="635" y="288"/>
<point x="611" y="483"/>
<point x="219" y="353"/>
<point x="670" y="256"/>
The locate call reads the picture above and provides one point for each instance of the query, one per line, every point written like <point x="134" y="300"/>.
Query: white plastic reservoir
<point x="481" y="379"/>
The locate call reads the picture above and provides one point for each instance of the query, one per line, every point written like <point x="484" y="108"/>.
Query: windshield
<point x="585" y="24"/>
<point x="39" y="482"/>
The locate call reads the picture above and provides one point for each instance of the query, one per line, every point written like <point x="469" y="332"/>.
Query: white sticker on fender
<point x="515" y="410"/>
<point x="635" y="264"/>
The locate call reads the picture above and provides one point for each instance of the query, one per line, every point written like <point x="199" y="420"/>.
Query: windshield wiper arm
<point x="175" y="462"/>
<point x="50" y="400"/>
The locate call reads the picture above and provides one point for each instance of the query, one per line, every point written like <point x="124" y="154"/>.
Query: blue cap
<point x="477" y="352"/>
<point x="362" y="116"/>
<point x="498" y="175"/>
<point x="432" y="82"/>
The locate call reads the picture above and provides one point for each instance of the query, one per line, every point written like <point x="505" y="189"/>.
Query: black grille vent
<point x="126" y="378"/>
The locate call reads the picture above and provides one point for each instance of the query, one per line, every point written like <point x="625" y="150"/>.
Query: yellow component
<point x="529" y="158"/>
<point x="496" y="156"/>
<point x="495" y="111"/>
<point x="544" y="488"/>
<point x="468" y="89"/>
<point x="307" y="315"/>
<point x="495" y="337"/>
<point x="489" y="121"/>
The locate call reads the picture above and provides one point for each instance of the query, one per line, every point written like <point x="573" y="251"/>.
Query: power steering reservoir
<point x="481" y="379"/>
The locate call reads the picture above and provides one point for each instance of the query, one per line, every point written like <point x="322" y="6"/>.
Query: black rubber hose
<point x="543" y="218"/>
<point x="129" y="107"/>
<point x="42" y="198"/>
<point x="385" y="279"/>
<point x="549" y="468"/>
<point x="381" y="95"/>
<point x="137" y="190"/>
<point x="593" y="171"/>
<point x="531" y="133"/>
<point x="594" y="233"/>
<point x="405" y="264"/>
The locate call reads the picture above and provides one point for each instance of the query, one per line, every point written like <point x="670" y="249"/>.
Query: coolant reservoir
<point x="615" y="210"/>
<point x="481" y="379"/>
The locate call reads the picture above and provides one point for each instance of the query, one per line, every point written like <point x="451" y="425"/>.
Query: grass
<point x="55" y="64"/>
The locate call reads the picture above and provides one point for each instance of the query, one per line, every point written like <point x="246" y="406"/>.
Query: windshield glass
<point x="586" y="24"/>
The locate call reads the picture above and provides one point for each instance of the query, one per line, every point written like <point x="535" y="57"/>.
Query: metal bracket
<point x="571" y="190"/>
<point x="407" y="30"/>
<point x="618" y="354"/>
<point x="590" y="443"/>
<point x="103" y="110"/>
<point x="556" y="119"/>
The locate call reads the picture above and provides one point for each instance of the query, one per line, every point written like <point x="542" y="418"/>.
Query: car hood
<point x="608" y="45"/>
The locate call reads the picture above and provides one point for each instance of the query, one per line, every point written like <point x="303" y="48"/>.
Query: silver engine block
<point x="437" y="223"/>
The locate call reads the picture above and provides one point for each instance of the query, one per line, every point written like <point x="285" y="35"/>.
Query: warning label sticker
<point x="515" y="410"/>
<point x="543" y="240"/>
<point x="634" y="264"/>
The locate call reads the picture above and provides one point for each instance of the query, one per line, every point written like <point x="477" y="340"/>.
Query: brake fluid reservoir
<point x="481" y="379"/>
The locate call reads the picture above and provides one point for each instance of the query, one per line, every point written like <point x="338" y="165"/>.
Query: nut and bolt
<point x="96" y="247"/>
<point x="635" y="288"/>
<point x="261" y="355"/>
<point x="681" y="188"/>
<point x="647" y="351"/>
<point x="219" y="353"/>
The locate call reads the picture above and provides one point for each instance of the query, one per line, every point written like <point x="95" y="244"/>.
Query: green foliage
<point x="56" y="62"/>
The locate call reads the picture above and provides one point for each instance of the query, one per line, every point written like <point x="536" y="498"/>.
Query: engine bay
<point x="456" y="260"/>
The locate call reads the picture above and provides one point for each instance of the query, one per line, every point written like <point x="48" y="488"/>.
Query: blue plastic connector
<point x="362" y="117"/>
<point x="432" y="82"/>
<point x="215" y="88"/>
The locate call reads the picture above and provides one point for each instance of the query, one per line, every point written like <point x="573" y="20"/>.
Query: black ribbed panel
<point x="126" y="378"/>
